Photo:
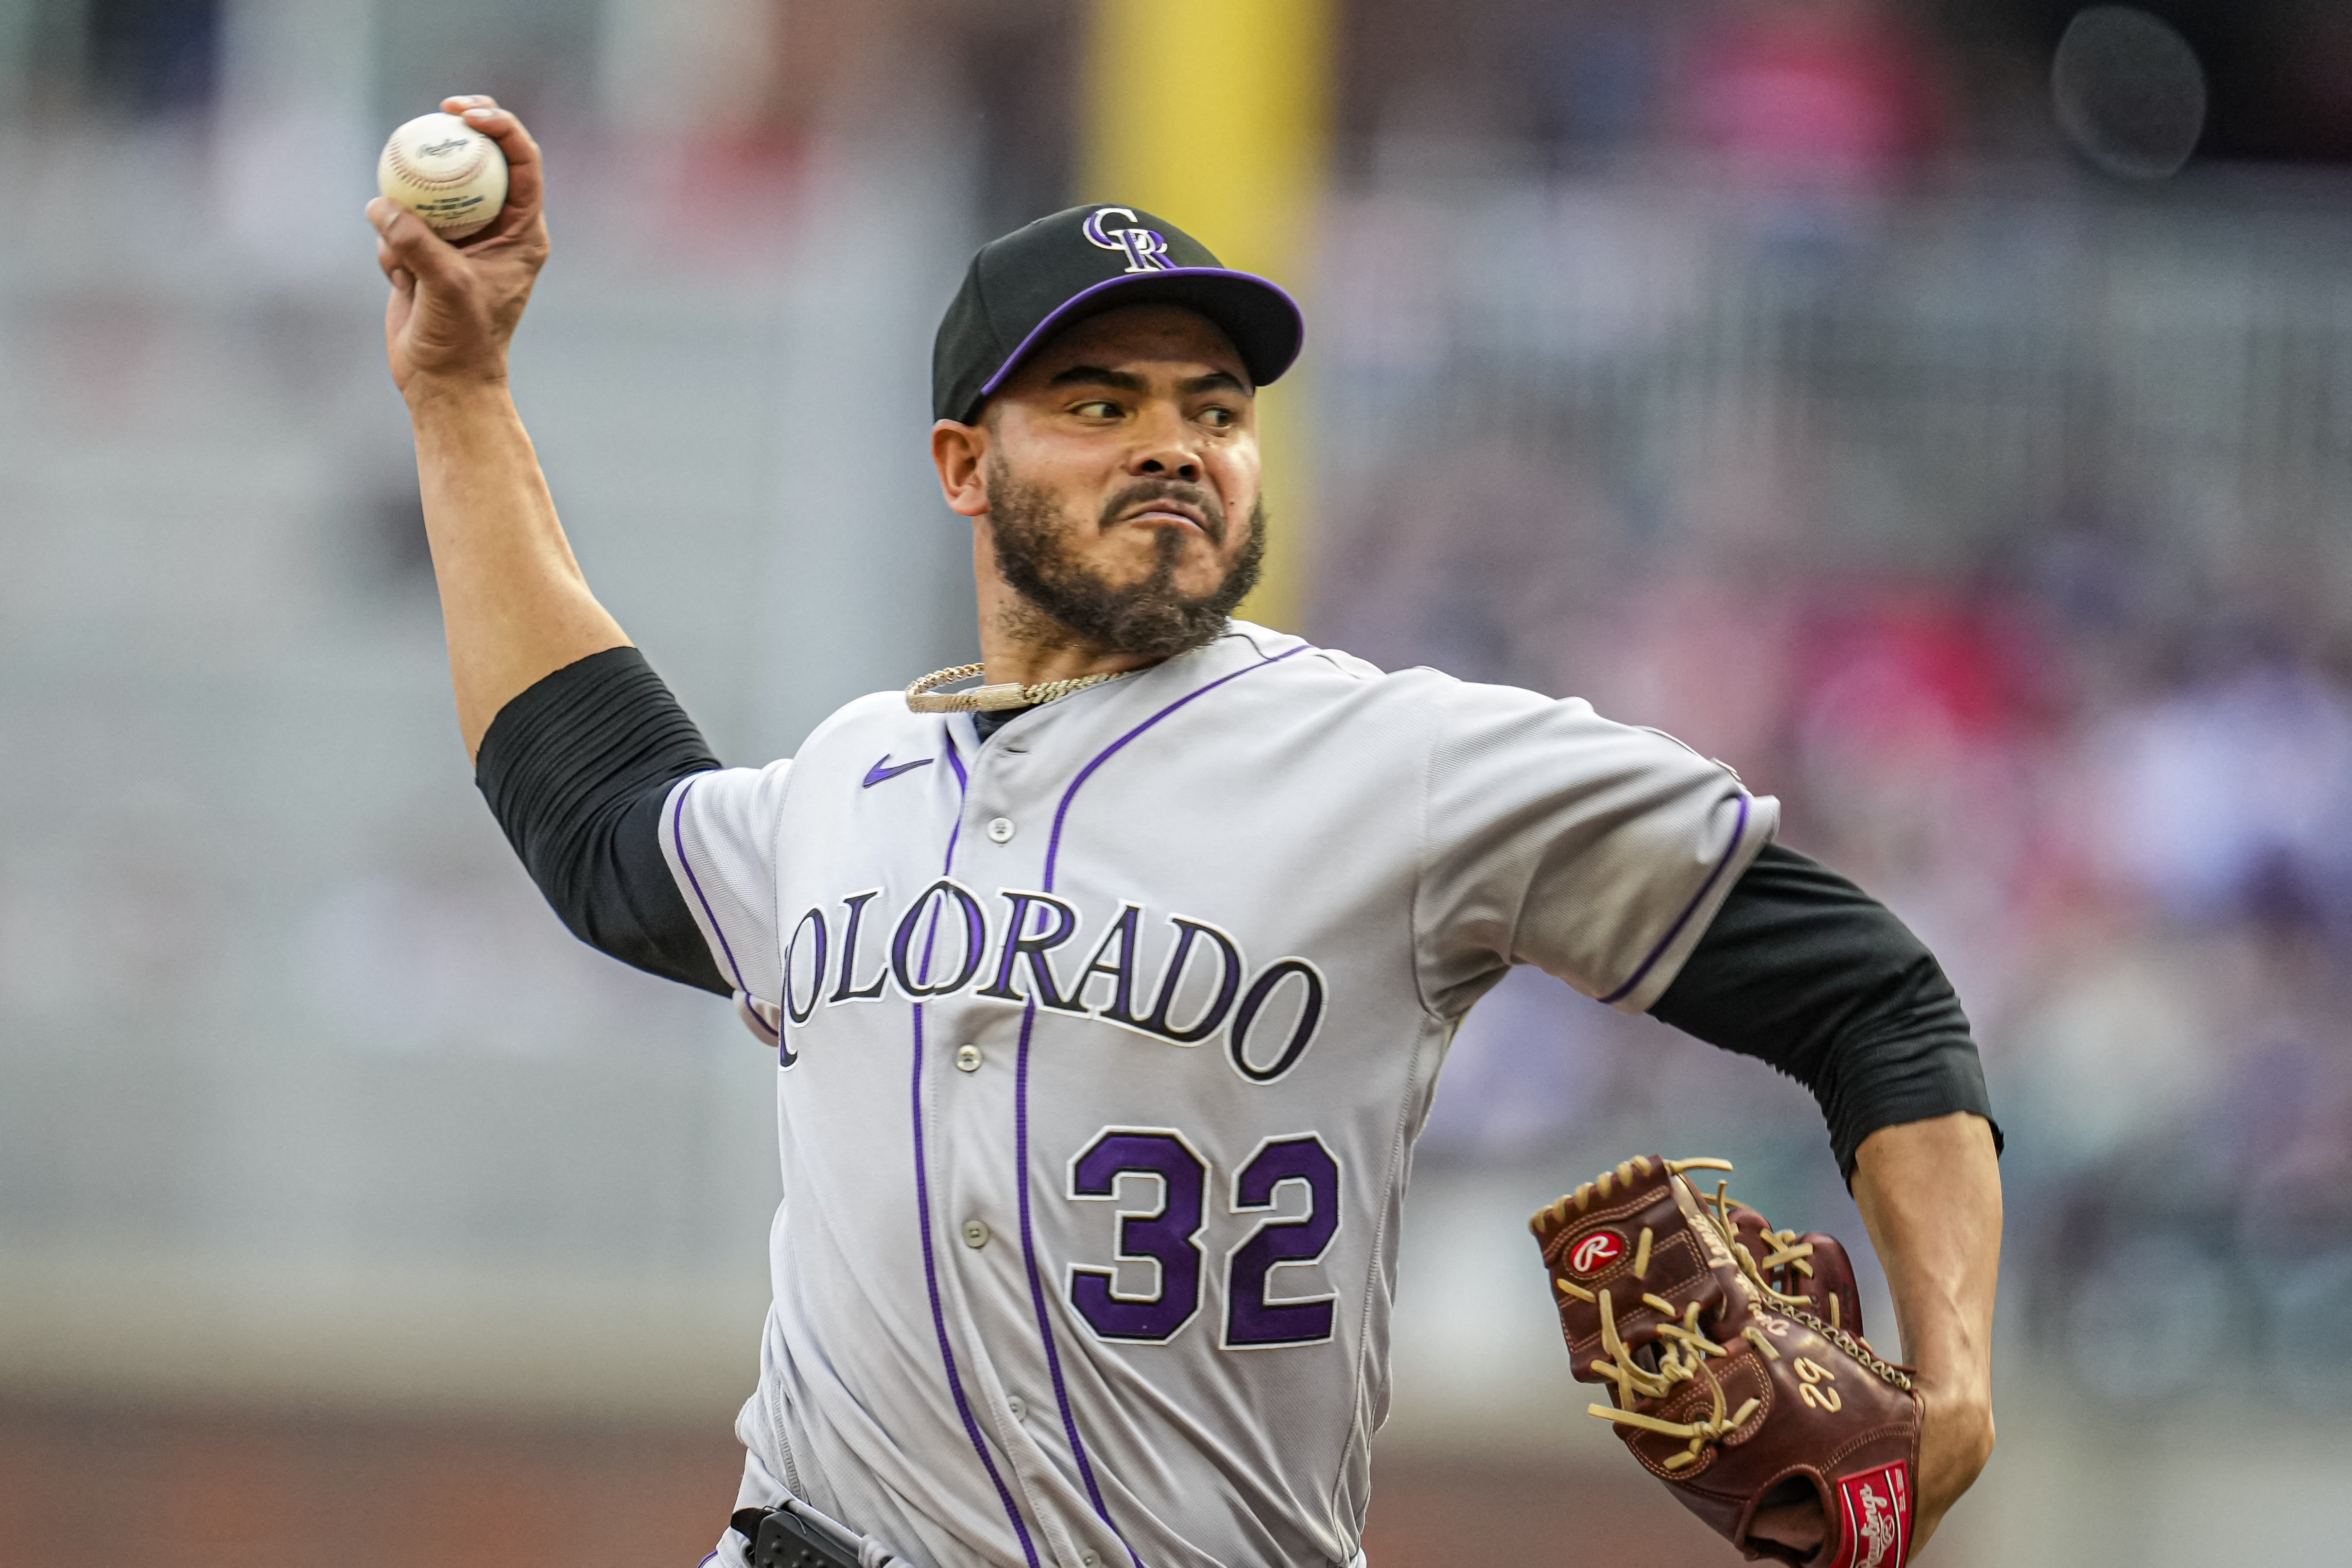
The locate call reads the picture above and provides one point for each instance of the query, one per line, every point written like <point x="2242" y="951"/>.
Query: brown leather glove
<point x="1730" y="1376"/>
<point x="1812" y="1268"/>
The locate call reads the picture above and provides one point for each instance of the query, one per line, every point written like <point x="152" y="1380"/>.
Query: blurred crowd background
<point x="1771" y="372"/>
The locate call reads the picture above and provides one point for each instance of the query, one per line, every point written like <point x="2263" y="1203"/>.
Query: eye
<point x="1095" y="408"/>
<point x="1217" y="418"/>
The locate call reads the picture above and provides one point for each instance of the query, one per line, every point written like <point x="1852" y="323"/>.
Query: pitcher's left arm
<point x="1804" y="970"/>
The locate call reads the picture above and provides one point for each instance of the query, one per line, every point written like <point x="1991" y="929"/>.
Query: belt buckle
<point x="781" y="1539"/>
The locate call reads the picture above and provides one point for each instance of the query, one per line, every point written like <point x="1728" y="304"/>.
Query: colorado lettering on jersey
<point x="1023" y="947"/>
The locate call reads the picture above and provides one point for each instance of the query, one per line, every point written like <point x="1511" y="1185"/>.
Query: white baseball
<point x="447" y="172"/>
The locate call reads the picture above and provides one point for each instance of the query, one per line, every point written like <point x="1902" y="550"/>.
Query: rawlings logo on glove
<point x="1734" y="1355"/>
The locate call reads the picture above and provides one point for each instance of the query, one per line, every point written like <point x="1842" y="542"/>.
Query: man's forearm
<point x="1930" y="1193"/>
<point x="514" y="604"/>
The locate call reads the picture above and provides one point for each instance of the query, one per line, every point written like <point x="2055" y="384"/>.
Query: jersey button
<point x="968" y="1059"/>
<point x="975" y="1233"/>
<point x="1092" y="1560"/>
<point x="1020" y="1411"/>
<point x="999" y="829"/>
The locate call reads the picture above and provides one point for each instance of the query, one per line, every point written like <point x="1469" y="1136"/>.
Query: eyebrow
<point x="1128" y="382"/>
<point x="1216" y="381"/>
<point x="1098" y="376"/>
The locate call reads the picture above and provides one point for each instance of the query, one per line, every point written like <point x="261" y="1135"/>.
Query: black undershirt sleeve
<point x="1804" y="970"/>
<point x="576" y="770"/>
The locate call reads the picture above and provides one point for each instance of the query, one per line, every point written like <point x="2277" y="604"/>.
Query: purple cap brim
<point x="1078" y="304"/>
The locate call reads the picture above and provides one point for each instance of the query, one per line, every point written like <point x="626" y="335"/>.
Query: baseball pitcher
<point x="1110" y="976"/>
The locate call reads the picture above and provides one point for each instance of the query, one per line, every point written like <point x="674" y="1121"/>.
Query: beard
<point x="1065" y="601"/>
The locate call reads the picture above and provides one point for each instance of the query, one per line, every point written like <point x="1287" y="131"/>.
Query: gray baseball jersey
<point x="1103" y="1044"/>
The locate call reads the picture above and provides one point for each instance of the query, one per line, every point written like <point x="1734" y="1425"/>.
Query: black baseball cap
<point x="1023" y="287"/>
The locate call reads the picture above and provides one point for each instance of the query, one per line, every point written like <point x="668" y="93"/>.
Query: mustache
<point x="1143" y="491"/>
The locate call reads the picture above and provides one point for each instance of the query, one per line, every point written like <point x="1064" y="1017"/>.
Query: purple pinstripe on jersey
<point x="1738" y="832"/>
<point x="1037" y="1285"/>
<point x="939" y="1313"/>
<point x="1061" y="812"/>
<point x="923" y="1208"/>
<point x="677" y="839"/>
<point x="1020" y="1105"/>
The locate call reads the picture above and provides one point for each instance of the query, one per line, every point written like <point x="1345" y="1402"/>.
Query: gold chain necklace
<point x="924" y="695"/>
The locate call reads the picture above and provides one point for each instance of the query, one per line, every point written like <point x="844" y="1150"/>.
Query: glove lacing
<point x="1687" y="1346"/>
<point x="1685" y="1358"/>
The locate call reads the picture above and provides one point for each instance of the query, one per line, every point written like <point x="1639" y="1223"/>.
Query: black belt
<point x="783" y="1540"/>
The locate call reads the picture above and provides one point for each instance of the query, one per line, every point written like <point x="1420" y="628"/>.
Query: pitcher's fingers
<point x="385" y="260"/>
<point x="402" y="281"/>
<point x="526" y="184"/>
<point x="413" y="244"/>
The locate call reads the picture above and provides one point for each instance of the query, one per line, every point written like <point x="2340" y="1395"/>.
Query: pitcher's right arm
<point x="576" y="743"/>
<point x="515" y="606"/>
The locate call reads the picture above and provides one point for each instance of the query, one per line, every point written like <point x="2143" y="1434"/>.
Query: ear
<point x="959" y="453"/>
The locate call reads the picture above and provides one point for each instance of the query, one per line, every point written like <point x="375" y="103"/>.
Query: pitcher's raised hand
<point x="454" y="308"/>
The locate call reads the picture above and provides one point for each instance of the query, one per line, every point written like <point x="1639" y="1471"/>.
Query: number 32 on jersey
<point x="1165" y="1241"/>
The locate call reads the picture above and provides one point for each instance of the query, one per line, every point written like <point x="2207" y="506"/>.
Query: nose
<point x="1170" y="464"/>
<point x="1164" y="452"/>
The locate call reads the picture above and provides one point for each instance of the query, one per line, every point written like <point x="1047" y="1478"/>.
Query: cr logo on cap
<point x="1147" y="250"/>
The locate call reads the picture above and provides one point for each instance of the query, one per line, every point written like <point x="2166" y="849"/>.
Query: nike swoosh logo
<point x="882" y="769"/>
